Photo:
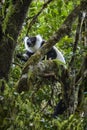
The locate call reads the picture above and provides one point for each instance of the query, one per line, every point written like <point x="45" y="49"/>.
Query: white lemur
<point x="32" y="44"/>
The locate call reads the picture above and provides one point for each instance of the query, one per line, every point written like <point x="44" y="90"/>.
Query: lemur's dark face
<point x="31" y="41"/>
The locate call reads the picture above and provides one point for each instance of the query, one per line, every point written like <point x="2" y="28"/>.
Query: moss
<point x="10" y="10"/>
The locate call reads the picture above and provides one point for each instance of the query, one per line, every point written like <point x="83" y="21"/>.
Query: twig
<point x="82" y="70"/>
<point x="78" y="33"/>
<point x="81" y="78"/>
<point x="17" y="64"/>
<point x="83" y="30"/>
<point x="76" y="40"/>
<point x="48" y="103"/>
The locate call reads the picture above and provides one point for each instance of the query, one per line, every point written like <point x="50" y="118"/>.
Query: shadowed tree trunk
<point x="10" y="27"/>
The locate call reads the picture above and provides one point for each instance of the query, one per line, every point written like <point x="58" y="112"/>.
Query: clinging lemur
<point x="32" y="44"/>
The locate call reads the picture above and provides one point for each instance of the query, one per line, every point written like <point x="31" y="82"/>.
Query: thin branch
<point x="36" y="16"/>
<point x="84" y="75"/>
<point x="82" y="70"/>
<point x="48" y="103"/>
<point x="83" y="31"/>
<point x="15" y="63"/>
<point x="76" y="40"/>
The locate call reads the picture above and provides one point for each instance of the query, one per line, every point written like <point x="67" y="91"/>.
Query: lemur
<point x="32" y="44"/>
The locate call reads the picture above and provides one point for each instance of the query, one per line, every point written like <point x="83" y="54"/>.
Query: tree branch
<point x="63" y="30"/>
<point x="82" y="69"/>
<point x="76" y="40"/>
<point x="39" y="74"/>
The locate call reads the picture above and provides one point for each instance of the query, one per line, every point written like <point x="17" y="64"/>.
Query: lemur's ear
<point x="25" y="39"/>
<point x="38" y="35"/>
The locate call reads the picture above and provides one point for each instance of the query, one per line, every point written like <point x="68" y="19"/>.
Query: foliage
<point x="21" y="113"/>
<point x="33" y="110"/>
<point x="50" y="19"/>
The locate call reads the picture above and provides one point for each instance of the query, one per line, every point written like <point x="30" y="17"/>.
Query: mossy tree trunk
<point x="10" y="28"/>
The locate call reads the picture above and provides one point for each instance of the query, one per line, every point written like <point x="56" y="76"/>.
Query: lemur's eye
<point x="29" y="42"/>
<point x="33" y="39"/>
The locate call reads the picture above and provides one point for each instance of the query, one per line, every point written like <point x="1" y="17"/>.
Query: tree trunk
<point x="11" y="27"/>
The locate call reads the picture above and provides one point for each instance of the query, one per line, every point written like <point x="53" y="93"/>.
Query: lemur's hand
<point x="21" y="57"/>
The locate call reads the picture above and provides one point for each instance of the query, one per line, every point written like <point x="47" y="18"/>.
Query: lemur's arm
<point x="24" y="57"/>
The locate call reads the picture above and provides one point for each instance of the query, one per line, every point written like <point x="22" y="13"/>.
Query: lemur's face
<point x="31" y="41"/>
<point x="32" y="44"/>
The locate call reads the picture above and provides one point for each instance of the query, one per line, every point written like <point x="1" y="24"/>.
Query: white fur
<point x="25" y="43"/>
<point x="59" y="55"/>
<point x="37" y="44"/>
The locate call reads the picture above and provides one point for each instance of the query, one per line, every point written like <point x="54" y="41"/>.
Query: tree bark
<point x="11" y="27"/>
<point x="39" y="75"/>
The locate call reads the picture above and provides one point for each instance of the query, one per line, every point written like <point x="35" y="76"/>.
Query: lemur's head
<point x="33" y="43"/>
<point x="30" y="41"/>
